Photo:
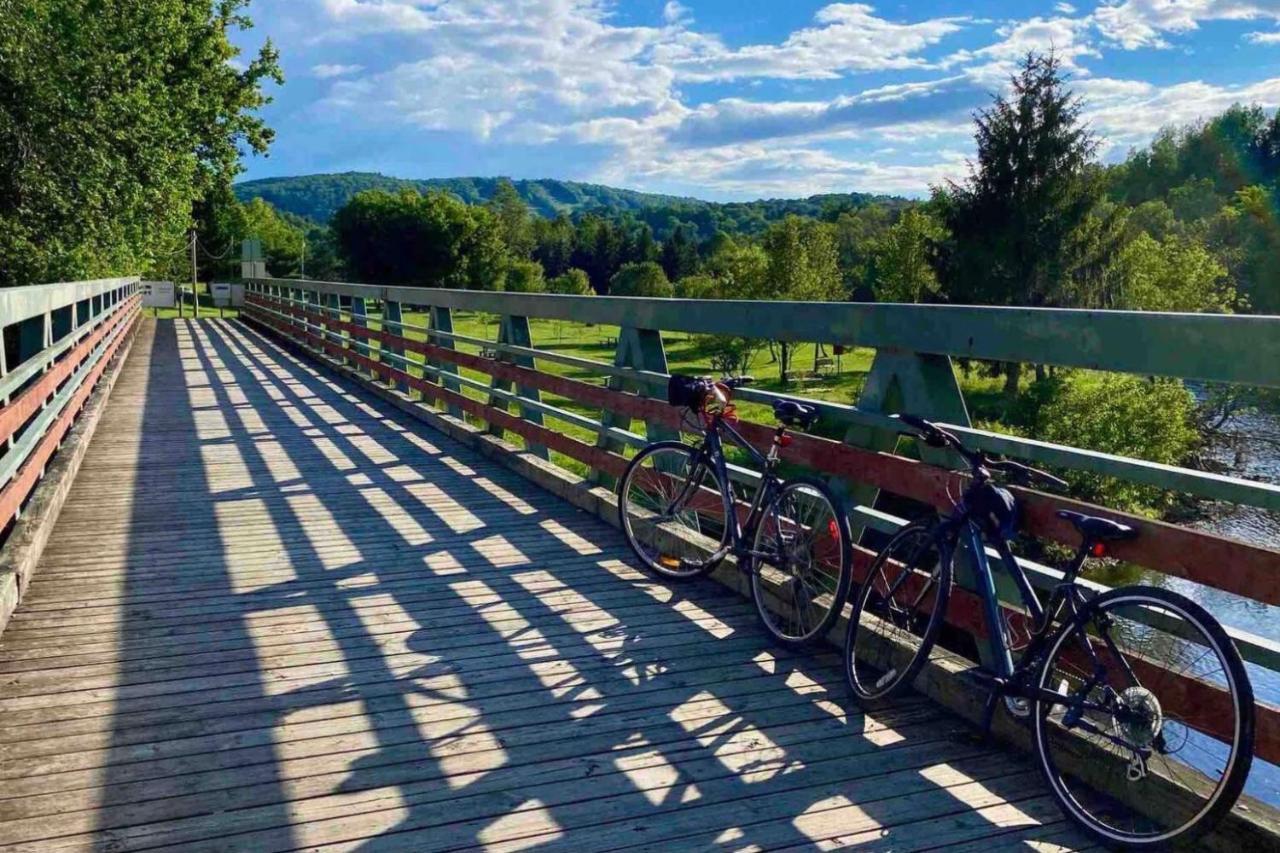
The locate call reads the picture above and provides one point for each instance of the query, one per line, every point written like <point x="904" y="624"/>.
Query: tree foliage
<point x="571" y="282"/>
<point x="903" y="271"/>
<point x="1032" y="186"/>
<point x="640" y="279"/>
<point x="116" y="116"/>
<point x="431" y="240"/>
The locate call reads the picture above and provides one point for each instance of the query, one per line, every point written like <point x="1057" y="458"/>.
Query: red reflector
<point x="1099" y="550"/>
<point x="833" y="529"/>
<point x="784" y="441"/>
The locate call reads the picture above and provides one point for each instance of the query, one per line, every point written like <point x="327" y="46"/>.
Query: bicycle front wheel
<point x="897" y="613"/>
<point x="674" y="511"/>
<point x="1153" y="737"/>
<point x="800" y="575"/>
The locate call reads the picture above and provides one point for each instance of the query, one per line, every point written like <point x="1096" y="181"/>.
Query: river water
<point x="1256" y="455"/>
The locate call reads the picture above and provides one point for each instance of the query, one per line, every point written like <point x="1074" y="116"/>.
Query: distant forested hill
<point x="317" y="197"/>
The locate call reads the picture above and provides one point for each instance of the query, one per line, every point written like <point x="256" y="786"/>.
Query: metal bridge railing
<point x="367" y="328"/>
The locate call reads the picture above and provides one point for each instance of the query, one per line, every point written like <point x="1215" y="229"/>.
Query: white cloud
<point x="1142" y="23"/>
<point x="847" y="37"/>
<point x="567" y="72"/>
<point x="1128" y="112"/>
<point x="738" y="120"/>
<point x="326" y="71"/>
<point x="676" y="13"/>
<point x="1263" y="38"/>
<point x="1067" y="38"/>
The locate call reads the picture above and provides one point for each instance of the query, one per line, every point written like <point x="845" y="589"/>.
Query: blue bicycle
<point x="1141" y="711"/>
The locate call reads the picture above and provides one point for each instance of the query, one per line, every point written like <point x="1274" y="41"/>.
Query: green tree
<point x="525" y="277"/>
<point x="680" y="253"/>
<point x="740" y="271"/>
<point x="857" y="234"/>
<point x="1176" y="274"/>
<point x="903" y="270"/>
<point x="572" y="282"/>
<point x="116" y="117"/>
<point x="803" y="266"/>
<point x="1012" y="222"/>
<point x="553" y="244"/>
<point x="431" y="240"/>
<point x="512" y="219"/>
<point x="1246" y="234"/>
<point x="642" y="279"/>
<point x="281" y="240"/>
<point x="697" y="287"/>
<point x="1124" y="415"/>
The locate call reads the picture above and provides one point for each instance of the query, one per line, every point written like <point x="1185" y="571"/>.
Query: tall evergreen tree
<point x="1013" y="221"/>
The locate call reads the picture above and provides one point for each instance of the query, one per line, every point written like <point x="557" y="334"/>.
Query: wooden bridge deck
<point x="273" y="616"/>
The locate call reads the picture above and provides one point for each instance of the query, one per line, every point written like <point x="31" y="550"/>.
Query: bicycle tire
<point x="896" y="679"/>
<point x="837" y="596"/>
<point x="1236" y="677"/>
<point x="673" y="566"/>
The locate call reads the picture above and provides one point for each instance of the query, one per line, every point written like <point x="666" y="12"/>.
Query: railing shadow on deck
<point x="383" y="642"/>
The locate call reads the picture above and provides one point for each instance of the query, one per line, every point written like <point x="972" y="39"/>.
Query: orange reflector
<point x="1098" y="549"/>
<point x="669" y="562"/>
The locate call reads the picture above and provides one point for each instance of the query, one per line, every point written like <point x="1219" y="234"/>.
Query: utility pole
<point x="195" y="300"/>
<point x="303" y="271"/>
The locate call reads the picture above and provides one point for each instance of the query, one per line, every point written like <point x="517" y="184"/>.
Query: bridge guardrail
<point x="912" y="370"/>
<point x="58" y="339"/>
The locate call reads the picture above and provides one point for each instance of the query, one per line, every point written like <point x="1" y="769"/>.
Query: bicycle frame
<point x="963" y="528"/>
<point x="711" y="454"/>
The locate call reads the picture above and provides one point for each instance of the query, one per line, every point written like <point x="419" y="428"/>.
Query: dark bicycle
<point x="1141" y="710"/>
<point x="680" y="514"/>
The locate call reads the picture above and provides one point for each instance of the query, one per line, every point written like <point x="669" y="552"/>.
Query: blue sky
<point x="727" y="99"/>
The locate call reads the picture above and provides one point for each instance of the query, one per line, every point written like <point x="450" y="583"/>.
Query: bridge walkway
<point x="275" y="614"/>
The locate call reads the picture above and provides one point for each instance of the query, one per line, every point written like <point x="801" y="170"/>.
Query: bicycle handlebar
<point x="935" y="436"/>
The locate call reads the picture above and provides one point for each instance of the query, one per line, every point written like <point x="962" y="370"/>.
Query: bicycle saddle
<point x="1098" y="529"/>
<point x="791" y="413"/>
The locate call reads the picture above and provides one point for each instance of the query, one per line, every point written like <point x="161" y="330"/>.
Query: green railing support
<point x="514" y="330"/>
<point x="359" y="317"/>
<point x="442" y="321"/>
<point x="638" y="349"/>
<point x="393" y="322"/>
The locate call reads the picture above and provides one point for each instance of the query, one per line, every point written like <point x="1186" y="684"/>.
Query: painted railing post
<point x="313" y="306"/>
<point x="514" y="330"/>
<point x="393" y="322"/>
<point x="442" y="321"/>
<point x="360" y="318"/>
<point x="333" y="311"/>
<point x="923" y="385"/>
<point x="639" y="349"/>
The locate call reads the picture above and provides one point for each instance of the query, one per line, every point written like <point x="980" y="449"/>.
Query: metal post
<point x="641" y="349"/>
<point x="442" y="321"/>
<point x="514" y="330"/>
<point x="393" y="322"/>
<point x="359" y="317"/>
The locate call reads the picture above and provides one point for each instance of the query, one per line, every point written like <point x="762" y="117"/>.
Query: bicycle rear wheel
<point x="674" y="511"/>
<point x="897" y="613"/>
<point x="1153" y="739"/>
<point x="801" y="570"/>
